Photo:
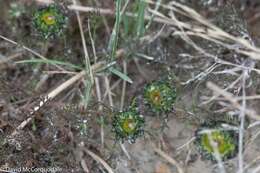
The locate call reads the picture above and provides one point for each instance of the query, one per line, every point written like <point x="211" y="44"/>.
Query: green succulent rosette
<point x="49" y="21"/>
<point x="128" y="125"/>
<point x="211" y="138"/>
<point x="160" y="96"/>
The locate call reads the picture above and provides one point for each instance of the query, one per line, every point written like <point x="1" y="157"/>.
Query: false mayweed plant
<point x="160" y="96"/>
<point x="49" y="21"/>
<point x="128" y="125"/>
<point x="16" y="10"/>
<point x="225" y="142"/>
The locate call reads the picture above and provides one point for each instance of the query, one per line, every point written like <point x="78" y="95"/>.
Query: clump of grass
<point x="140" y="29"/>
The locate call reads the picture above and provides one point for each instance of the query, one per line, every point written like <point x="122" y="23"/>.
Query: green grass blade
<point x="87" y="90"/>
<point x="140" y="18"/>
<point x="126" y="24"/>
<point x="107" y="66"/>
<point x="120" y="74"/>
<point x="112" y="46"/>
<point x="52" y="62"/>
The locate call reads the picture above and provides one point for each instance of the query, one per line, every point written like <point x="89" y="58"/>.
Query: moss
<point x="128" y="125"/>
<point x="49" y="21"/>
<point x="226" y="142"/>
<point x="160" y="96"/>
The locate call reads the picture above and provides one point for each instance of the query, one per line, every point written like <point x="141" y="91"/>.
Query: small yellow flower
<point x="155" y="96"/>
<point x="128" y="125"/>
<point x="48" y="18"/>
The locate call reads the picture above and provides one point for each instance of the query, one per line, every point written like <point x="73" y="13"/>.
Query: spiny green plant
<point x="226" y="142"/>
<point x="16" y="10"/>
<point x="160" y="96"/>
<point x="49" y="21"/>
<point x="128" y="125"/>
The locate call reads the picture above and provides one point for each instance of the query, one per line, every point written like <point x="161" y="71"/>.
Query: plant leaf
<point x="120" y="74"/>
<point x="53" y="62"/>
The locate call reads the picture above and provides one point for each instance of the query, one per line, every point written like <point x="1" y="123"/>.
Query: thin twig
<point x="108" y="90"/>
<point x="99" y="159"/>
<point x="10" y="58"/>
<point x="256" y="170"/>
<point x="241" y="128"/>
<point x="186" y="143"/>
<point x="125" y="151"/>
<point x="230" y="98"/>
<point x="97" y="84"/>
<point x="169" y="159"/>
<point x="251" y="163"/>
<point x="124" y="87"/>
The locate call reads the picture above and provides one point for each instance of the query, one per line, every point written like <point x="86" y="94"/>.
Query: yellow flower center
<point x="48" y="18"/>
<point x="129" y="125"/>
<point x="155" y="97"/>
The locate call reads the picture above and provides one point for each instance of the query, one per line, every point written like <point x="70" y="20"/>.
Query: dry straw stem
<point x="87" y="59"/>
<point x="109" y="91"/>
<point x="5" y="60"/>
<point x="211" y="32"/>
<point x="215" y="97"/>
<point x="169" y="159"/>
<point x="256" y="170"/>
<point x="84" y="165"/>
<point x="231" y="98"/>
<point x="242" y="122"/>
<point x="123" y="87"/>
<point x="255" y="97"/>
<point x="97" y="84"/>
<point x="186" y="144"/>
<point x="98" y="159"/>
<point x="252" y="163"/>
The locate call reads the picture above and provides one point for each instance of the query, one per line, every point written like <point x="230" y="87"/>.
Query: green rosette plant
<point x="128" y="125"/>
<point x="49" y="21"/>
<point x="160" y="96"/>
<point x="212" y="139"/>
